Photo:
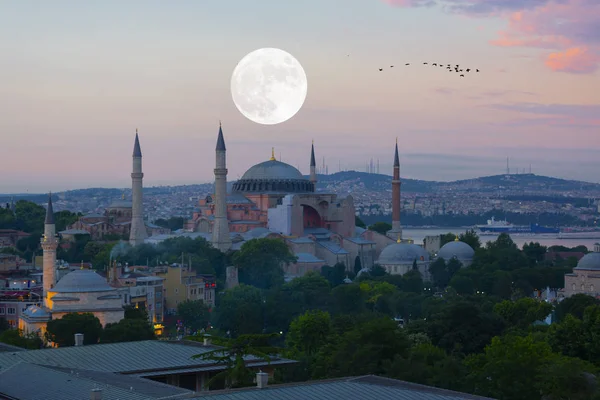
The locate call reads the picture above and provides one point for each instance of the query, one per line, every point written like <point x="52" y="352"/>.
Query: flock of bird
<point x="457" y="68"/>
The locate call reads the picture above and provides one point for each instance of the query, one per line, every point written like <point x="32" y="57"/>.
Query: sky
<point x="77" y="78"/>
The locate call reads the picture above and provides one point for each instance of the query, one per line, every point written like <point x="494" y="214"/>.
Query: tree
<point x="236" y="373"/>
<point x="260" y="262"/>
<point x="172" y="223"/>
<point x="523" y="312"/>
<point x="309" y="332"/>
<point x="62" y="331"/>
<point x="359" y="222"/>
<point x="515" y="367"/>
<point x="380" y="227"/>
<point x="240" y="311"/>
<point x="194" y="313"/>
<point x="135" y="313"/>
<point x="15" y="337"/>
<point x="534" y="252"/>
<point x="357" y="264"/>
<point x="63" y="219"/>
<point x="348" y="299"/>
<point x="471" y="238"/>
<point x="29" y="216"/>
<point x="308" y="292"/>
<point x="335" y="275"/>
<point x="365" y="349"/>
<point x="127" y="330"/>
<point x="447" y="238"/>
<point x="575" y="305"/>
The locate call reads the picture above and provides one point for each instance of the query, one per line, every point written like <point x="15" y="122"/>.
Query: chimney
<point x="207" y="340"/>
<point x="96" y="394"/>
<point x="262" y="379"/>
<point x="79" y="339"/>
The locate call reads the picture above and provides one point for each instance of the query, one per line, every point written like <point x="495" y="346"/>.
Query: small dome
<point x="36" y="312"/>
<point x="590" y="261"/>
<point x="402" y="253"/>
<point x="459" y="250"/>
<point x="81" y="281"/>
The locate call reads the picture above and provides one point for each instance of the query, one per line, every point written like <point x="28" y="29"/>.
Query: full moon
<point x="269" y="86"/>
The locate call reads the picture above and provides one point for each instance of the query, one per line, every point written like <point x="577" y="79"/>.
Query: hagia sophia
<point x="273" y="199"/>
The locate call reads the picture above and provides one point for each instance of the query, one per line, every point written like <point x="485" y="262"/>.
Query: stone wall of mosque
<point x="582" y="281"/>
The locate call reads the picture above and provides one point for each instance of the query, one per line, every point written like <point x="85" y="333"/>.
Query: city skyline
<point x="80" y="78"/>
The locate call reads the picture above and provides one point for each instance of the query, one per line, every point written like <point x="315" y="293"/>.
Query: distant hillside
<point x="376" y="182"/>
<point x="530" y="183"/>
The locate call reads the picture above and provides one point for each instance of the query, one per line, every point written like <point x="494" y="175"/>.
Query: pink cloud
<point x="567" y="29"/>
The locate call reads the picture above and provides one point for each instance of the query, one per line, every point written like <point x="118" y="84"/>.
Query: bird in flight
<point x="449" y="67"/>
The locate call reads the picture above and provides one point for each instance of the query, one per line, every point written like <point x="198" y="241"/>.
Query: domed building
<point x="318" y="227"/>
<point x="459" y="251"/>
<point x="399" y="258"/>
<point x="273" y="177"/>
<point x="585" y="278"/>
<point x="79" y="291"/>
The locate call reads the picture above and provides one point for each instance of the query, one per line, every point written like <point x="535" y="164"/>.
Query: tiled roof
<point x="359" y="240"/>
<point x="332" y="247"/>
<point x="364" y="388"/>
<point x="307" y="258"/>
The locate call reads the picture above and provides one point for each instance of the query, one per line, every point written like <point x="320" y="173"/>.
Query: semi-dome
<point x="81" y="281"/>
<point x="402" y="253"/>
<point x="590" y="261"/>
<point x="456" y="249"/>
<point x="273" y="176"/>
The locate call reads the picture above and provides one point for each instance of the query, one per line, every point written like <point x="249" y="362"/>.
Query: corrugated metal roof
<point x="363" y="388"/>
<point x="39" y="383"/>
<point x="126" y="357"/>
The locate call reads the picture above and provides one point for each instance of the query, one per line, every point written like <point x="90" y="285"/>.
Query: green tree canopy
<point x="194" y="313"/>
<point x="380" y="227"/>
<point x="260" y="262"/>
<point x="240" y="311"/>
<point x="62" y="330"/>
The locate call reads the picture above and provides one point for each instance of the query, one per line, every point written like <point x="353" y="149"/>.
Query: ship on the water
<point x="494" y="227"/>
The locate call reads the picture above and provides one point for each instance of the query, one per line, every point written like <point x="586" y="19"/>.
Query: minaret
<point x="138" y="232"/>
<point x="313" y="166"/>
<point x="220" y="229"/>
<point x="49" y="245"/>
<point x="396" y="231"/>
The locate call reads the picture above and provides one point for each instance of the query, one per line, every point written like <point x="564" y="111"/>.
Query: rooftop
<point x="368" y="387"/>
<point x="143" y="358"/>
<point x="74" y="384"/>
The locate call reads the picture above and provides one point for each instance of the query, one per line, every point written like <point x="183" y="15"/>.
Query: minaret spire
<point x="137" y="232"/>
<point x="49" y="245"/>
<point x="220" y="229"/>
<point x="396" y="205"/>
<point x="313" y="166"/>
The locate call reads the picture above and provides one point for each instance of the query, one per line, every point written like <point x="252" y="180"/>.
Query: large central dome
<point x="273" y="176"/>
